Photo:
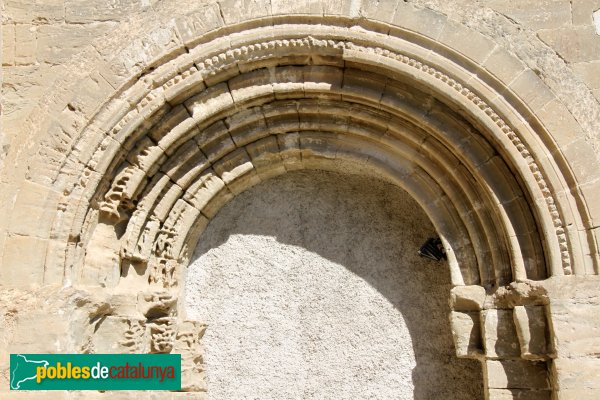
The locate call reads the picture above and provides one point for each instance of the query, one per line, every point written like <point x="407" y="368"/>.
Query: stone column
<point x="508" y="332"/>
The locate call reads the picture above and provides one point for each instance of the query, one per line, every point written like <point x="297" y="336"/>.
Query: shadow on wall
<point x="371" y="228"/>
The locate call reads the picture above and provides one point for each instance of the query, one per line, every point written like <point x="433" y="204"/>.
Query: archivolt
<point x="157" y="162"/>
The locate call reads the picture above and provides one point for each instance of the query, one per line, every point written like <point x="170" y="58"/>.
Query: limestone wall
<point x="556" y="38"/>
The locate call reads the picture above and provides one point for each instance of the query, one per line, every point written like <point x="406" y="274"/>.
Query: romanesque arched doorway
<point x="139" y="173"/>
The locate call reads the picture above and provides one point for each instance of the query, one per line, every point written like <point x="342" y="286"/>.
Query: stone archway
<point x="234" y="105"/>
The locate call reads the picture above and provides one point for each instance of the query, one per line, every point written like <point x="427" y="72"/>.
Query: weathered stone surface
<point x="422" y="20"/>
<point x="499" y="334"/>
<point x="210" y="102"/>
<point x="237" y="166"/>
<point x="532" y="89"/>
<point x="188" y="343"/>
<point x="574" y="394"/>
<point x="590" y="73"/>
<point x="531" y="326"/>
<point x="521" y="394"/>
<point x="544" y="14"/>
<point x="466" y="332"/>
<point x="102" y="265"/>
<point x="22" y="87"/>
<point x="190" y="27"/>
<point x="118" y="335"/>
<point x="72" y="39"/>
<point x="289" y="146"/>
<point x="583" y="11"/>
<point x="266" y="158"/>
<point x="23" y="260"/>
<point x="67" y="315"/>
<point x="382" y="11"/>
<point x="34" y="215"/>
<point x="576" y="328"/>
<point x="236" y="10"/>
<point x="31" y="11"/>
<point x="162" y="334"/>
<point x="156" y="304"/>
<point x="517" y="374"/>
<point x="592" y="190"/>
<point x="91" y="89"/>
<point x="574" y="45"/>
<point x="477" y="49"/>
<point x="503" y="65"/>
<point x="25" y="42"/>
<point x="577" y="373"/>
<point x="81" y="12"/>
<point x="8" y="44"/>
<point x="467" y="298"/>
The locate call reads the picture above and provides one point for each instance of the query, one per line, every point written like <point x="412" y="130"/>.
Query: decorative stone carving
<point x="162" y="334"/>
<point x="122" y="191"/>
<point x="163" y="272"/>
<point x="188" y="344"/>
<point x="134" y="336"/>
<point x="164" y="242"/>
<point x="156" y="304"/>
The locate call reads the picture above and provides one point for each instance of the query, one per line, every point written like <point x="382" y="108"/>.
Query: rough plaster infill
<point x="312" y="289"/>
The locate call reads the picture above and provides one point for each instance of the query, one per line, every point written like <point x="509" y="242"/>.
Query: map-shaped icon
<point x="23" y="369"/>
